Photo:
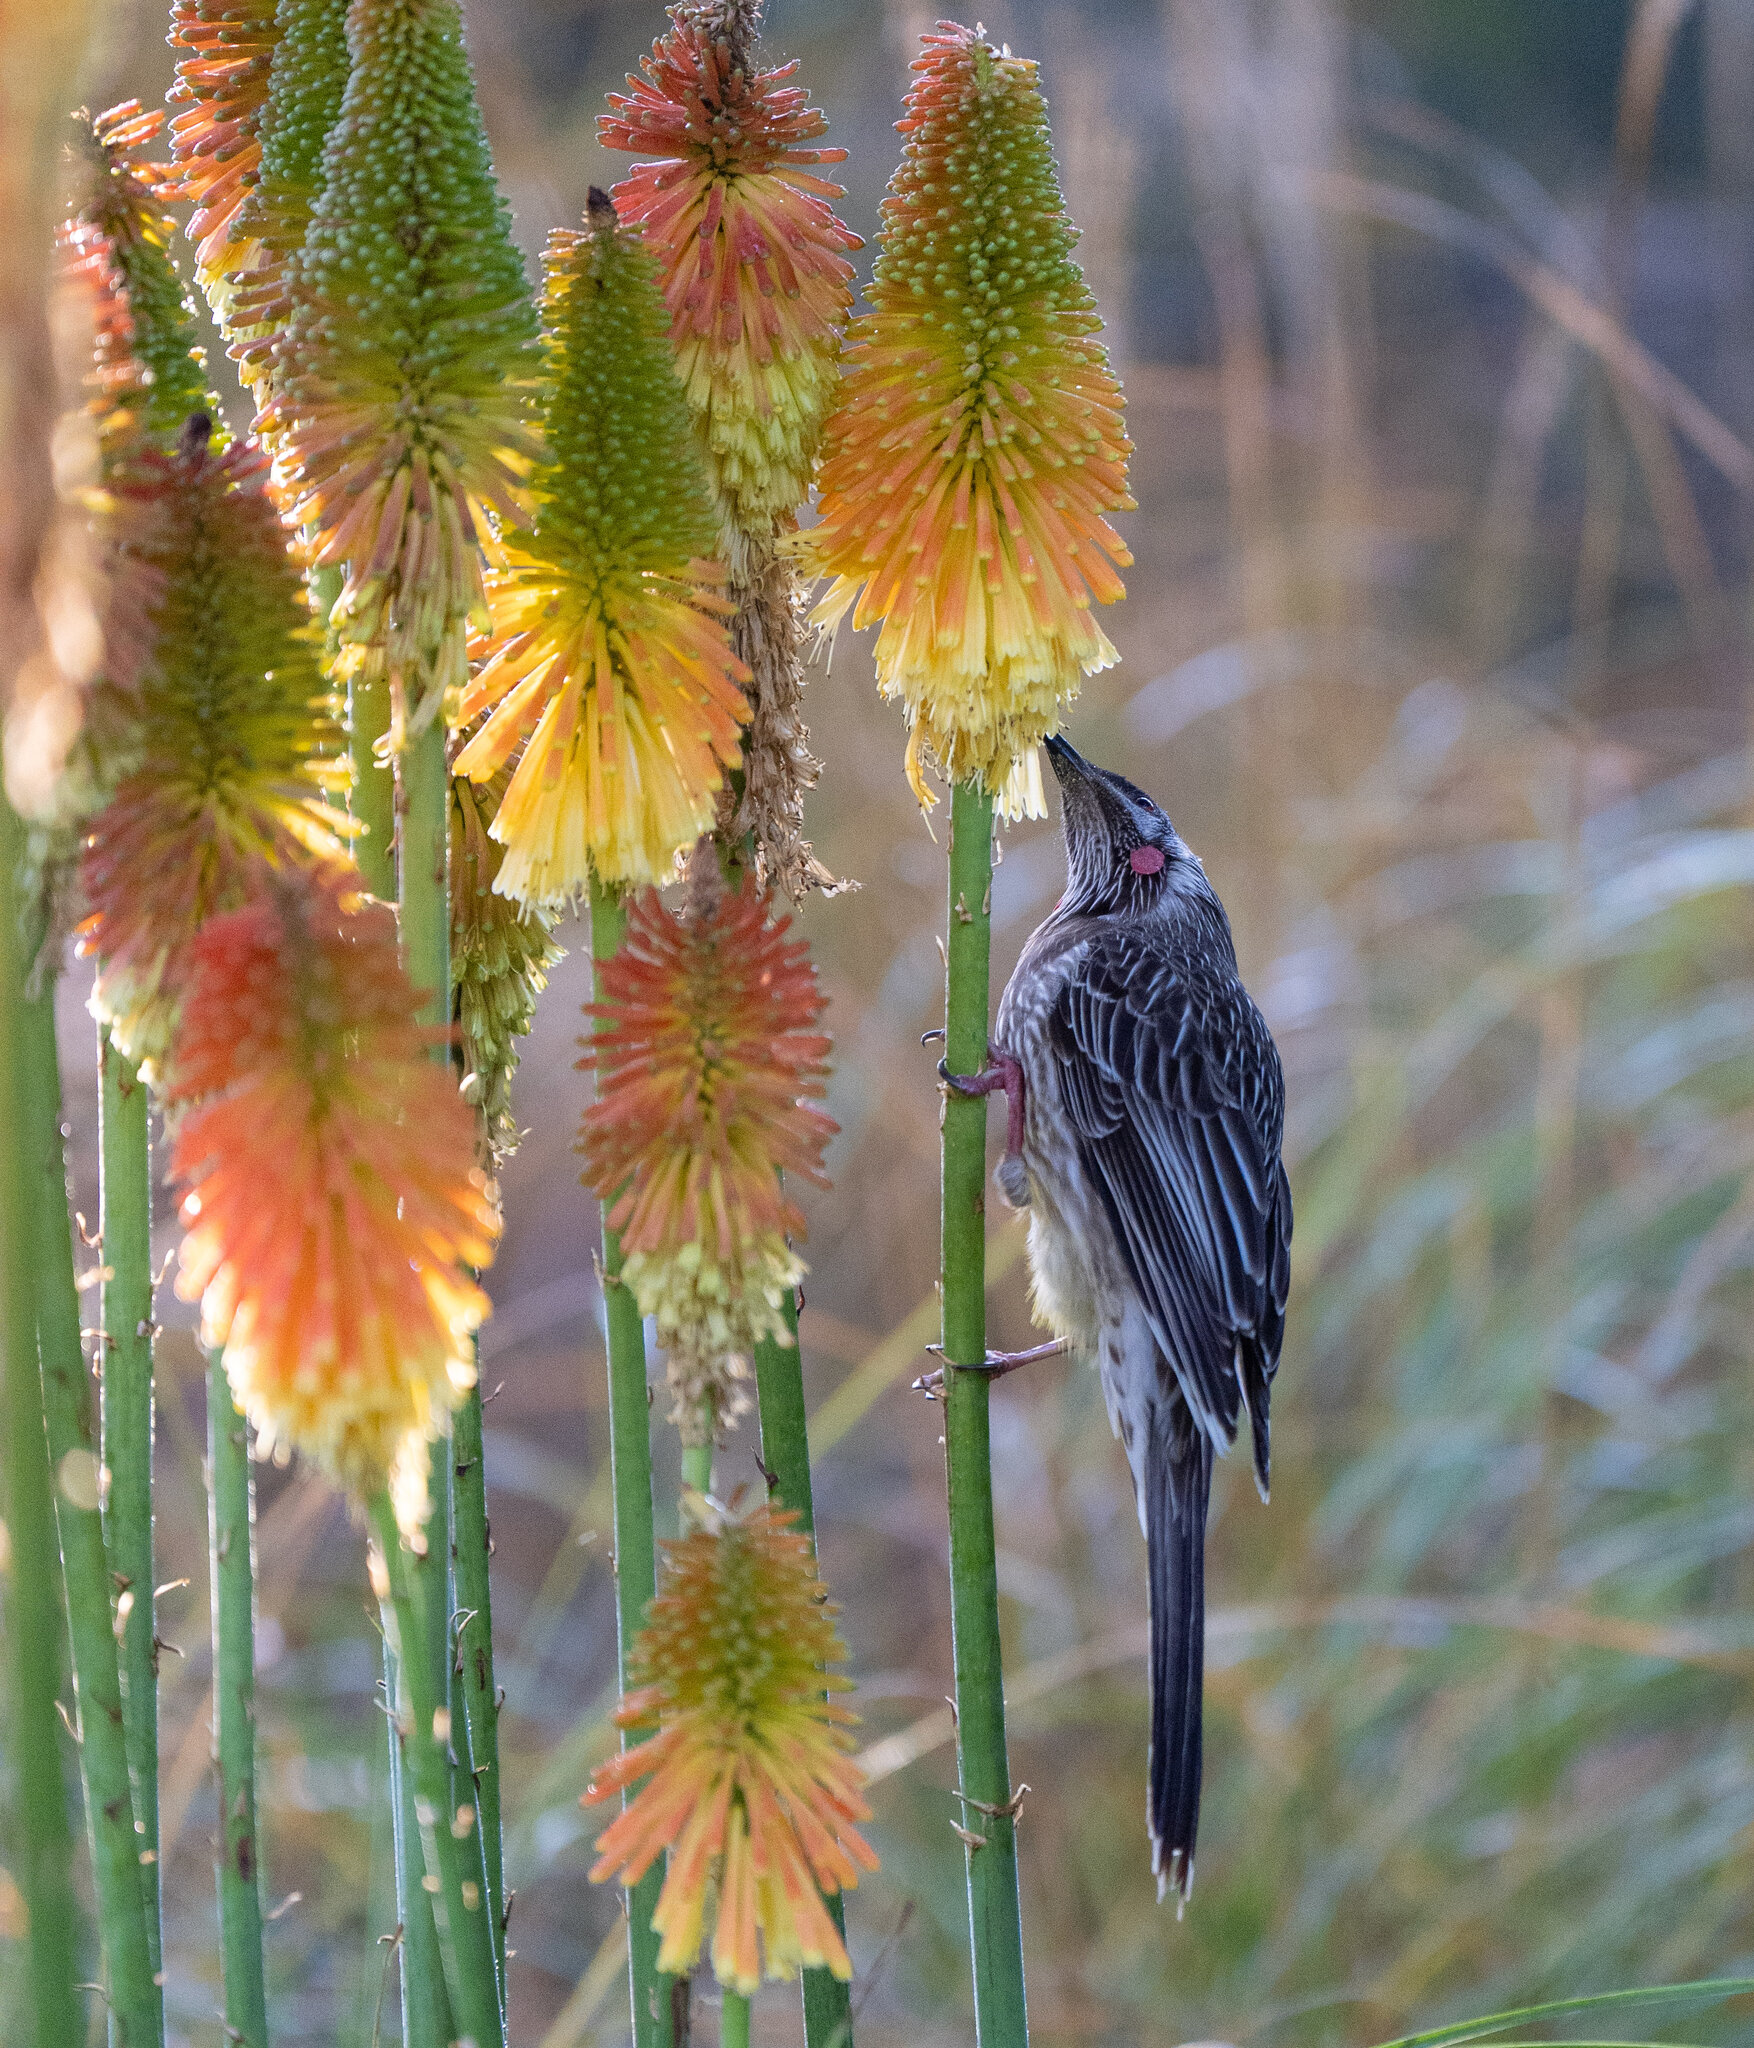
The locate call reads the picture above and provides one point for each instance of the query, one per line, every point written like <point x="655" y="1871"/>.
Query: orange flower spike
<point x="609" y="661"/>
<point x="232" y="739"/>
<point x="752" y="255"/>
<point x="705" y="1087"/>
<point x="331" y="1198"/>
<point x="226" y="48"/>
<point x="977" y="448"/>
<point x="749" y="1779"/>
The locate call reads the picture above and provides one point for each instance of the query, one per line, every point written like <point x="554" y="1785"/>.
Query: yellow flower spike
<point x="749" y="1782"/>
<point x="333" y="1206"/>
<point x="608" y="660"/>
<point x="752" y="256"/>
<point x="705" y="1079"/>
<point x="977" y="449"/>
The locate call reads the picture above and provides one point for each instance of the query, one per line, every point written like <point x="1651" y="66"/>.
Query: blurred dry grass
<point x="1437" y="650"/>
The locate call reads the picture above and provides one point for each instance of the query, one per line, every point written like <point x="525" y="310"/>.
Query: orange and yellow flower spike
<point x="752" y="257"/>
<point x="706" y="1077"/>
<point x="233" y="742"/>
<point x="749" y="1782"/>
<point x="396" y="412"/>
<point x="977" y="449"/>
<point x="608" y="660"/>
<point x="226" y="48"/>
<point x="333" y="1205"/>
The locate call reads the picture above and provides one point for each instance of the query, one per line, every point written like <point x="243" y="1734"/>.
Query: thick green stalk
<point x="785" y="1451"/>
<point x="636" y="1566"/>
<point x="423" y="819"/>
<point x="42" y="1840"/>
<point x="994" y="1912"/>
<point x="231" y="1566"/>
<point x="125" y="1230"/>
<point x="476" y="1687"/>
<point x="423" y="815"/>
<point x="450" y="1847"/>
<point x="426" y="2008"/>
<point x="734" y="2021"/>
<point x="426" y="2017"/>
<point x="373" y="797"/>
<point x="135" y="2000"/>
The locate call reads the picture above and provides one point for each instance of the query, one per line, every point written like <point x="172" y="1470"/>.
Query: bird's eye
<point x="1145" y="860"/>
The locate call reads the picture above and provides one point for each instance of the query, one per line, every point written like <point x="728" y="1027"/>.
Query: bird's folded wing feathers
<point x="1171" y="1085"/>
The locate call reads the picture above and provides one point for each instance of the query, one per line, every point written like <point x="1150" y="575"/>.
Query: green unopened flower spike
<point x="396" y="417"/>
<point x="501" y="954"/>
<point x="609" y="659"/>
<point x="307" y="81"/>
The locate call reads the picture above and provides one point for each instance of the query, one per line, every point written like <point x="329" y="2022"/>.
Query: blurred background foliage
<point x="1435" y="319"/>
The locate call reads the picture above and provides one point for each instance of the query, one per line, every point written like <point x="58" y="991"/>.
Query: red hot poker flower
<point x="705" y="1075"/>
<point x="754" y="260"/>
<point x="750" y="1783"/>
<point x="332" y="1201"/>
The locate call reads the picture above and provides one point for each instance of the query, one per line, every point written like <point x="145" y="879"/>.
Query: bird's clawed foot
<point x="996" y="1364"/>
<point x="1001" y="1071"/>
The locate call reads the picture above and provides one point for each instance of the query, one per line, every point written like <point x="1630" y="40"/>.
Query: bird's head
<point x="1122" y="853"/>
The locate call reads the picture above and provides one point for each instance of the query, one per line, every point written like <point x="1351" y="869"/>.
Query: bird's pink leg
<point x="1002" y="1071"/>
<point x="996" y="1364"/>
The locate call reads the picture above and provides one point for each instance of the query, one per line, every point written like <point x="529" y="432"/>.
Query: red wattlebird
<point x="1146" y="1108"/>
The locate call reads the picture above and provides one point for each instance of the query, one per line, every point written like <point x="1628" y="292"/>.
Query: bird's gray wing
<point x="1172" y="1087"/>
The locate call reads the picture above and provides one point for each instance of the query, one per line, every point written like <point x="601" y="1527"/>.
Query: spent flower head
<point x="977" y="449"/>
<point x="332" y="1201"/>
<point x="501" y="954"/>
<point x="752" y="256"/>
<point x="707" y="1065"/>
<point x="750" y="1786"/>
<point x="608" y="661"/>
<point x="397" y="391"/>
<point x="232" y="739"/>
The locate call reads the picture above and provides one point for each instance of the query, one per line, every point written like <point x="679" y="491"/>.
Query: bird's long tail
<point x="1178" y="1481"/>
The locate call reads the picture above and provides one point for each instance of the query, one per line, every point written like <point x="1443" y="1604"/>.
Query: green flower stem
<point x="994" y="1913"/>
<point x="125" y="1230"/>
<point x="449" y="1840"/>
<point x="41" y="1837"/>
<point x="697" y="1468"/>
<point x="426" y="2008"/>
<point x="734" y="2021"/>
<point x="429" y="1665"/>
<point x="231" y="1538"/>
<point x="373" y="798"/>
<point x="475" y="1683"/>
<point x="135" y="2000"/>
<point x="636" y="1571"/>
<point x="785" y="1451"/>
